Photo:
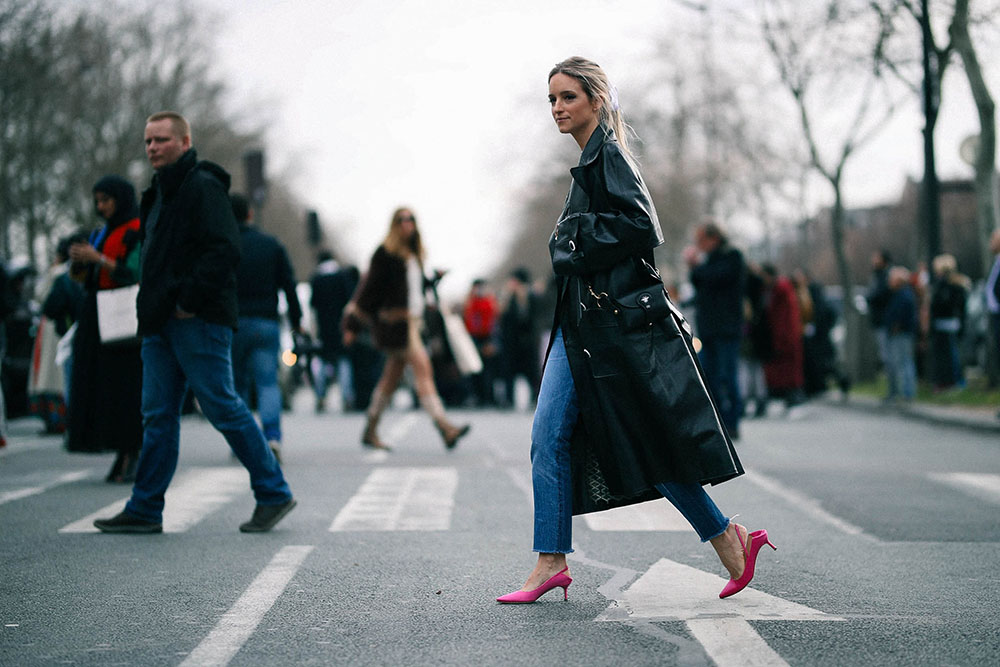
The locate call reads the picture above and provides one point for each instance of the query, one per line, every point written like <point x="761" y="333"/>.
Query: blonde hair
<point x="394" y="242"/>
<point x="944" y="265"/>
<point x="179" y="123"/>
<point x="595" y="85"/>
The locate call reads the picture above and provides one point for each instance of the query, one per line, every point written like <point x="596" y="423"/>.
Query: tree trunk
<point x="930" y="209"/>
<point x="985" y="165"/>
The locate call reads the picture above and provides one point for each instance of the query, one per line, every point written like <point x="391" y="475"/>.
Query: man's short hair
<point x="179" y="123"/>
<point x="712" y="230"/>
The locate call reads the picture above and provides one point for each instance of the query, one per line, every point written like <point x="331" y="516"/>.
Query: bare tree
<point x="828" y="61"/>
<point x="985" y="162"/>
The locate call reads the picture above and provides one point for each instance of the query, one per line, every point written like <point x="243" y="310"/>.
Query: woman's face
<point x="573" y="111"/>
<point x="105" y="205"/>
<point x="407" y="225"/>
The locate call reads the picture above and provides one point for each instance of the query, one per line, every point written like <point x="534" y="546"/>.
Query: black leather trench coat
<point x="646" y="414"/>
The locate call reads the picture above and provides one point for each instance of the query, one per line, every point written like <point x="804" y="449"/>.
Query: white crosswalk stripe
<point x="238" y="624"/>
<point x="195" y="494"/>
<point x="984" y="486"/>
<point x="35" y="489"/>
<point x="401" y="499"/>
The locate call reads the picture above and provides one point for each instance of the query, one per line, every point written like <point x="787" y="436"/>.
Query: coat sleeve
<point x="360" y="312"/>
<point x="622" y="224"/>
<point x="218" y="246"/>
<point x="286" y="281"/>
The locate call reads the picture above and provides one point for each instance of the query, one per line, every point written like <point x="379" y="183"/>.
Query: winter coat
<point x="264" y="269"/>
<point x="901" y="311"/>
<point x="381" y="302"/>
<point x="191" y="246"/>
<point x="332" y="288"/>
<point x="783" y="371"/>
<point x="646" y="415"/>
<point x="720" y="284"/>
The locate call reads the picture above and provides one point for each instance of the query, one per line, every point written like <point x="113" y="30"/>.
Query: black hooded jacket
<point x="191" y="246"/>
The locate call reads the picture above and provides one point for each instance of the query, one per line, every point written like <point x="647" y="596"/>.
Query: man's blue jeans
<point x="555" y="417"/>
<point x="196" y="352"/>
<point x="256" y="345"/>
<point x="720" y="359"/>
<point x="902" y="368"/>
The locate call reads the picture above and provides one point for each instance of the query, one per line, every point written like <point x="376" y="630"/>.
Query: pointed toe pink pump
<point x="558" y="580"/>
<point x="758" y="538"/>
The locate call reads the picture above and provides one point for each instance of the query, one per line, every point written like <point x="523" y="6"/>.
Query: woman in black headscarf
<point x="105" y="413"/>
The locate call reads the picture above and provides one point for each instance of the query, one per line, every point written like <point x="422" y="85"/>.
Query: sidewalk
<point x="979" y="419"/>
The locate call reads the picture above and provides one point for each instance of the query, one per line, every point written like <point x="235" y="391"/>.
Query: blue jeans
<point x="256" y="345"/>
<point x="555" y="417"/>
<point x="902" y="369"/>
<point x="196" y="352"/>
<point x="720" y="359"/>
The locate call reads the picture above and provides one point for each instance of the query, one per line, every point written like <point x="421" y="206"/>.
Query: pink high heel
<point x="758" y="538"/>
<point x="560" y="579"/>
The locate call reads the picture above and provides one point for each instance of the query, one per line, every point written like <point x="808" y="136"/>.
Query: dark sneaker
<point x="265" y="517"/>
<point x="124" y="522"/>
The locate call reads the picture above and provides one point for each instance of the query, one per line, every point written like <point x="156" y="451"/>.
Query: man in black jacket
<point x="187" y="311"/>
<point x="718" y="274"/>
<point x="264" y="270"/>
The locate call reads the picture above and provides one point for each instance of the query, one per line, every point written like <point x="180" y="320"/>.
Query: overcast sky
<point x="439" y="105"/>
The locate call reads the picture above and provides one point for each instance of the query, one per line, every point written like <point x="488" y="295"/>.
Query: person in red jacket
<point x="783" y="371"/>
<point x="480" y="316"/>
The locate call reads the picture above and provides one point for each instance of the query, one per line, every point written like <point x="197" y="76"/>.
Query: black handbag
<point x="645" y="306"/>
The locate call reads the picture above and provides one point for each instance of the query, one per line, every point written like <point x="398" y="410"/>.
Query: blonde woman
<point x="390" y="301"/>
<point x="623" y="414"/>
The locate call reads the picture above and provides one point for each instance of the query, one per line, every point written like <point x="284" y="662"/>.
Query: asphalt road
<point x="887" y="532"/>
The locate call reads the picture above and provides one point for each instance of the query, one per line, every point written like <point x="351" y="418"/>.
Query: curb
<point x="940" y="415"/>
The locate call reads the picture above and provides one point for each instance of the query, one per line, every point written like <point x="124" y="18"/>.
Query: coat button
<point x="572" y="246"/>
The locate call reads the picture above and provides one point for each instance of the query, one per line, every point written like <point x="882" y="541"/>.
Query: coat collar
<point x="169" y="178"/>
<point x="602" y="133"/>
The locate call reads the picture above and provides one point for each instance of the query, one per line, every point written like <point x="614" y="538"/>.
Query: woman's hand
<point x="84" y="253"/>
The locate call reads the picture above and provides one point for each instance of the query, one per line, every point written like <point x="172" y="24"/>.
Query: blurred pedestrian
<point x="480" y="316"/>
<point x="620" y="378"/>
<point x="63" y="305"/>
<point x="878" y="298"/>
<point x="19" y="326"/>
<point x="756" y="347"/>
<point x="991" y="291"/>
<point x="391" y="301"/>
<point x="718" y="274"/>
<point x="62" y="299"/>
<point x="901" y="326"/>
<point x="187" y="311"/>
<point x="263" y="271"/>
<point x="819" y="357"/>
<point x="949" y="293"/>
<point x="783" y="370"/>
<point x="331" y="289"/>
<point x="107" y="377"/>
<point x="518" y="335"/>
<point x="4" y="310"/>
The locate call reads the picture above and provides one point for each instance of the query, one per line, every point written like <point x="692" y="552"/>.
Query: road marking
<point x="984" y="486"/>
<point x="672" y="591"/>
<point x="25" y="492"/>
<point x="194" y="495"/>
<point x="658" y="515"/>
<point x="810" y="506"/>
<point x="236" y="625"/>
<point x="401" y="499"/>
